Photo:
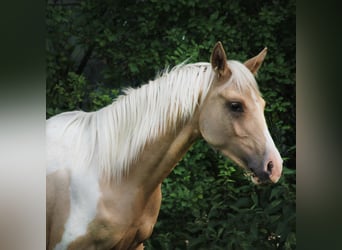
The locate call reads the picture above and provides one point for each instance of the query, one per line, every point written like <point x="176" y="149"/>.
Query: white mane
<point x="113" y="137"/>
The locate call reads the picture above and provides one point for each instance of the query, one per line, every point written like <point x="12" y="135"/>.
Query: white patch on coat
<point x="84" y="197"/>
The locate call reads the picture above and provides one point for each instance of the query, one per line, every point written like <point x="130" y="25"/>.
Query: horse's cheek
<point x="211" y="132"/>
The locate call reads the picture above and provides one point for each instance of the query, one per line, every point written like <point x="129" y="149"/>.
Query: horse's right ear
<point x="218" y="61"/>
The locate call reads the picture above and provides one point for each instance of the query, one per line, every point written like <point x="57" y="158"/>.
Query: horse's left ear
<point x="254" y="63"/>
<point x="218" y="61"/>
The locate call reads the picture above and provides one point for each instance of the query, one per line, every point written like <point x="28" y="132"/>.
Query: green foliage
<point x="96" y="48"/>
<point x="68" y="94"/>
<point x="209" y="204"/>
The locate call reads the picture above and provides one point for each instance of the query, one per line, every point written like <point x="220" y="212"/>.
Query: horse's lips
<point x="255" y="179"/>
<point x="243" y="163"/>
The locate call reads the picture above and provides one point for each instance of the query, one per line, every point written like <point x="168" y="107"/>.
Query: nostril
<point x="269" y="167"/>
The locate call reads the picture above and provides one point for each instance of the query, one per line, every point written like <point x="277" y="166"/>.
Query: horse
<point x="105" y="168"/>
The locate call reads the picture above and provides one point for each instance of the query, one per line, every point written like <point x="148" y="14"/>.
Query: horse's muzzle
<point x="270" y="173"/>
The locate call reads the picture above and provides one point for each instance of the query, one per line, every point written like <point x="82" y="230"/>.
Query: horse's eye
<point x="236" y="107"/>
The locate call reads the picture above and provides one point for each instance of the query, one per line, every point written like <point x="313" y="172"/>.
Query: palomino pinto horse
<point x="105" y="168"/>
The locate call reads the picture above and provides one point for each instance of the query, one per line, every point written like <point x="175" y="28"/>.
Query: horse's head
<point x="232" y="117"/>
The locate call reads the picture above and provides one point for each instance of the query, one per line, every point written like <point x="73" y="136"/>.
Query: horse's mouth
<point x="254" y="178"/>
<point x="249" y="172"/>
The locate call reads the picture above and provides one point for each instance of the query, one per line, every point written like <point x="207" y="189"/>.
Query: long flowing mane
<point x="111" y="138"/>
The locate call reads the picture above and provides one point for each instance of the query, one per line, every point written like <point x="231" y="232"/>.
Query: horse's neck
<point x="160" y="157"/>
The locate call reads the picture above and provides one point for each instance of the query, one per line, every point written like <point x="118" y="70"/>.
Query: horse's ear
<point x="254" y="63"/>
<point x="218" y="61"/>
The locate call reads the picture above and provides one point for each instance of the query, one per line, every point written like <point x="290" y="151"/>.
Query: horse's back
<point x="59" y="141"/>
